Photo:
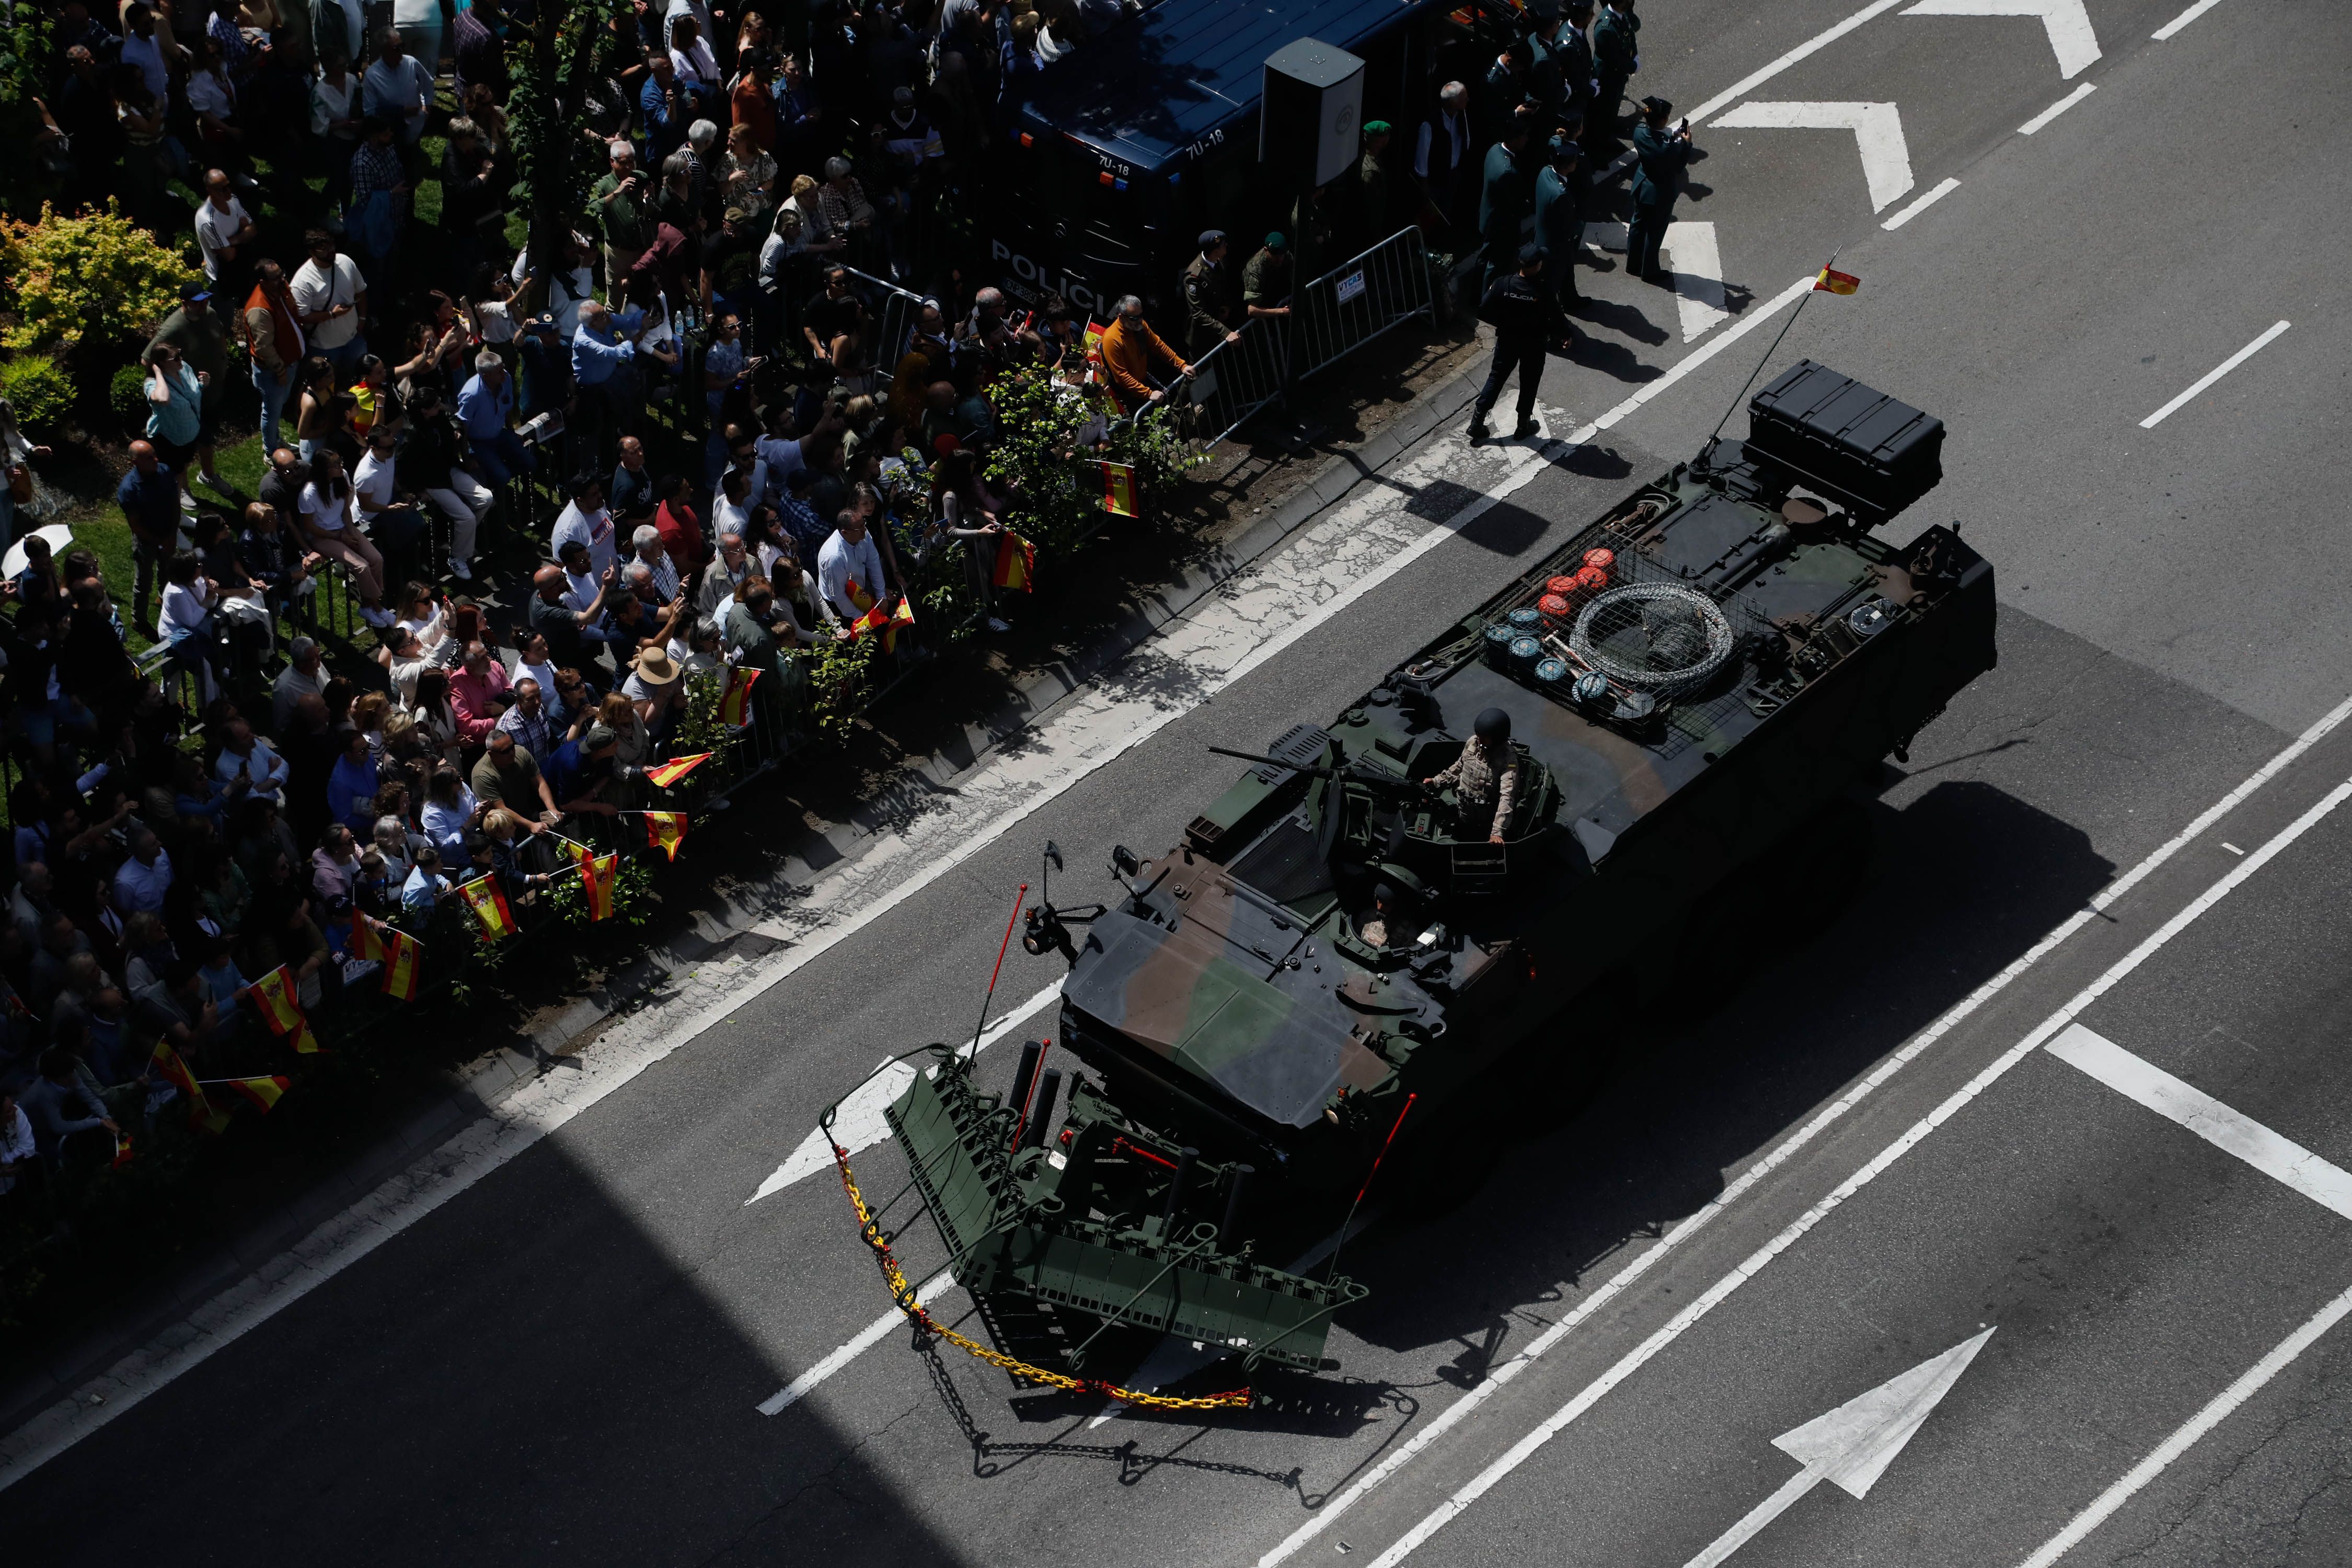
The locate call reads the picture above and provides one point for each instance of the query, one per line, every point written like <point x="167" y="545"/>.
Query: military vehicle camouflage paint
<point x="1255" y="1050"/>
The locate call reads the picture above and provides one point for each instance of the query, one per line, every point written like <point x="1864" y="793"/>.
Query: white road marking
<point x="2183" y="19"/>
<point x="1852" y="1446"/>
<point x="2057" y="109"/>
<point x="1877" y="133"/>
<point x="1914" y="208"/>
<point x="2232" y="847"/>
<point x="858" y="1123"/>
<point x="2216" y="373"/>
<point x="1754" y="1264"/>
<point x="2204" y="1421"/>
<point x="1503" y="1372"/>
<point x="1756" y="317"/>
<point x="1253" y="618"/>
<point x="874" y="1332"/>
<point x="2067" y="23"/>
<point x="1805" y="50"/>
<point x="1698" y="278"/>
<point x="2233" y="1132"/>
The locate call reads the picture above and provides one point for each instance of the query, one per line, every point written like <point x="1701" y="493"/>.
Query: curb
<point x="478" y="1087"/>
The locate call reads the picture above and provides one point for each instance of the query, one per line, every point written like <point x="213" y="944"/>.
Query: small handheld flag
<point x="676" y="768"/>
<point x="735" y="704"/>
<point x="489" y="902"/>
<point x="1119" y="489"/>
<point x="367" y="938"/>
<point x="1835" y="282"/>
<point x="596" y="878"/>
<point x="1094" y="342"/>
<point x="262" y="1092"/>
<point x="404" y="960"/>
<point x="665" y="830"/>
<point x="280" y="1007"/>
<point x="1016" y="562"/>
<point x="170" y="1068"/>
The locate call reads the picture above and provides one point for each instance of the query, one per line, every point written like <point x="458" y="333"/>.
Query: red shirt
<point x="681" y="533"/>
<point x="754" y="108"/>
<point x="471" y="696"/>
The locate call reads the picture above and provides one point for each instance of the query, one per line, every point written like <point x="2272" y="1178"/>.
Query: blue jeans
<point x="501" y="457"/>
<point x="274" y="390"/>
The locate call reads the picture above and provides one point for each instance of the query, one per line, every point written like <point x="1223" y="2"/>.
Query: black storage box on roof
<point x="1855" y="443"/>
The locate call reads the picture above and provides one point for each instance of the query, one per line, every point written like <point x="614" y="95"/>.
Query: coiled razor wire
<point x="1657" y="638"/>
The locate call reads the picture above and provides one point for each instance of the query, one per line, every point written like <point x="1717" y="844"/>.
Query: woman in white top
<point x="435" y="717"/>
<point x="689" y="52"/>
<point x="533" y="660"/>
<point x="419" y="609"/>
<point x="326" y="502"/>
<point x="186" y="621"/>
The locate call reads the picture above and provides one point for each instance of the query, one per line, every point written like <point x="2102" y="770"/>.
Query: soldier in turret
<point x="1484" y="779"/>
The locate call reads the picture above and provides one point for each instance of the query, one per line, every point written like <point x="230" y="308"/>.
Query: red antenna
<point x="982" y="1027"/>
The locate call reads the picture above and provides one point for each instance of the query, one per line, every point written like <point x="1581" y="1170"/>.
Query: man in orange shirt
<point x="1128" y="350"/>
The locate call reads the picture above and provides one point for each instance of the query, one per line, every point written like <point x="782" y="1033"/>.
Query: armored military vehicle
<point x="1688" y="682"/>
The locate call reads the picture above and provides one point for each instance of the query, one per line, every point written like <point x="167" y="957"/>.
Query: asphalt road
<point x="562" y="1360"/>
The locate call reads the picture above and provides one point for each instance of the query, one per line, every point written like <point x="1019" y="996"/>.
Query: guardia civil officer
<point x="1505" y="199"/>
<point x="1212" y="315"/>
<point x="1516" y="306"/>
<point x="1615" y="58"/>
<point x="1559" y="219"/>
<point x="1661" y="154"/>
<point x="1573" y="52"/>
<point x="1484" y="779"/>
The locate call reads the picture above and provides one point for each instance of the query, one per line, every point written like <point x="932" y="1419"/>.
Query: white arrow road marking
<point x="859" y="1124"/>
<point x="2231" y="1131"/>
<point x="2068" y="25"/>
<point x="1698" y="276"/>
<point x="1877" y="132"/>
<point x="1852" y="1445"/>
<point x="1805" y="50"/>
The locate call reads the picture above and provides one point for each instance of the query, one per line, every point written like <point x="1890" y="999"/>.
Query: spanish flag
<point x="489" y="902"/>
<point x="281" y="1008"/>
<point x="204" y="1118"/>
<point x="262" y="1092"/>
<point x="1832" y="282"/>
<point x="676" y="768"/>
<point x="735" y="703"/>
<point x="665" y="830"/>
<point x="1094" y="342"/>
<point x="597" y="875"/>
<point x="121" y="1151"/>
<point x="173" y="1070"/>
<point x="1119" y="489"/>
<point x="402" y="962"/>
<point x="1016" y="562"/>
<point x="367" y="938"/>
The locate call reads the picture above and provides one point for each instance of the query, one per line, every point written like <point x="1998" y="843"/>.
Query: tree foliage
<point x="94" y="275"/>
<point x="1036" y="453"/>
<point x="37" y="389"/>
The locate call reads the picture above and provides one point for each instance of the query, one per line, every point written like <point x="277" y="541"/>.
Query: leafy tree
<point x="95" y="275"/>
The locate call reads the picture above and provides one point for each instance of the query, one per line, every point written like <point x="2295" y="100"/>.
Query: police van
<point x="1147" y="135"/>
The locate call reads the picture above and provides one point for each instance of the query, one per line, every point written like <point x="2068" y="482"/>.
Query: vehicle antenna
<point x="1766" y="358"/>
<point x="982" y="1027"/>
<point x="1332" y="1273"/>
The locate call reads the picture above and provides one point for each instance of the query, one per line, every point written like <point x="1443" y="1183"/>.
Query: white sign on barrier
<point x="1351" y="287"/>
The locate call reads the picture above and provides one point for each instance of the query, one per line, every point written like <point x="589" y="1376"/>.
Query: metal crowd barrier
<point x="1363" y="298"/>
<point x="894" y="312"/>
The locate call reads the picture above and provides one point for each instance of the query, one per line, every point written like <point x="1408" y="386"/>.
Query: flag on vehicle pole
<point x="1016" y="562"/>
<point x="1119" y="489"/>
<point x="281" y="1006"/>
<point x="489" y="902"/>
<point x="665" y="830"/>
<point x="1831" y="282"/>
<point x="676" y="768"/>
<point x="735" y="703"/>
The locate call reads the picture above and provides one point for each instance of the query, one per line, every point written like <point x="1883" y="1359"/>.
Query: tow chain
<point x="869" y="1230"/>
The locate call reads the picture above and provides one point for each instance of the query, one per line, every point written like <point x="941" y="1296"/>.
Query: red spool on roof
<point x="1553" y="606"/>
<point x="1600" y="559"/>
<point x="1560" y="585"/>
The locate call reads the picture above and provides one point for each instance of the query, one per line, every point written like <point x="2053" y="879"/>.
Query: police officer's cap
<point x="1274" y="242"/>
<point x="1492" y="725"/>
<point x="1529" y="252"/>
<point x="1564" y="150"/>
<point x="1383" y="894"/>
<point x="1211" y="238"/>
<point x="1657" y="108"/>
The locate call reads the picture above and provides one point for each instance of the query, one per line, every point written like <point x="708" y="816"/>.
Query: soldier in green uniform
<point x="1504" y="200"/>
<point x="1265" y="281"/>
<point x="1661" y="154"/>
<point x="1212" y="317"/>
<point x="1615" y="59"/>
<point x="1368" y="200"/>
<point x="1560" y="220"/>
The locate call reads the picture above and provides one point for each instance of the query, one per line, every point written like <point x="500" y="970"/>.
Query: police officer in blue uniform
<point x="1516" y="306"/>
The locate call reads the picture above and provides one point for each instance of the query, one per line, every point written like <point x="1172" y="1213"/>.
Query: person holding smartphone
<point x="1660" y="153"/>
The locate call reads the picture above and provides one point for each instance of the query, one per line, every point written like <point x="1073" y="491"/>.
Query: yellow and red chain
<point x="903" y="1294"/>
